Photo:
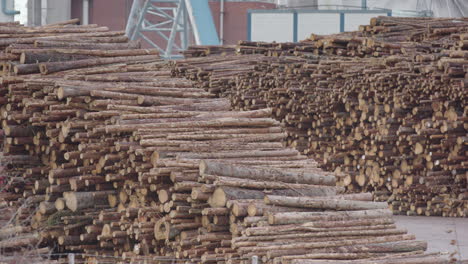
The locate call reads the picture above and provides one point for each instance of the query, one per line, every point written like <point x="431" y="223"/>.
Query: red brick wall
<point x="110" y="13"/>
<point x="114" y="13"/>
<point x="235" y="18"/>
<point x="76" y="9"/>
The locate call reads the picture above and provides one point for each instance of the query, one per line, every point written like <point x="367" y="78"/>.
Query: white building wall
<point x="271" y="27"/>
<point x="22" y="6"/>
<point x="279" y="27"/>
<point x="353" y="21"/>
<point x="440" y="8"/>
<point x="42" y="12"/>
<point x="57" y="11"/>
<point x="317" y="23"/>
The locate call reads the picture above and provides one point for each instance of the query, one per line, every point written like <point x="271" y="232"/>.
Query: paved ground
<point x="442" y="234"/>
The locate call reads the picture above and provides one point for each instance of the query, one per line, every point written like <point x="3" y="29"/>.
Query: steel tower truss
<point x="167" y="19"/>
<point x="175" y="23"/>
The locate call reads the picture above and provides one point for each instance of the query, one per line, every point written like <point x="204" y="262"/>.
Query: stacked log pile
<point x="133" y="184"/>
<point x="209" y="50"/>
<point x="115" y="160"/>
<point x="35" y="144"/>
<point x="306" y="223"/>
<point x="386" y="105"/>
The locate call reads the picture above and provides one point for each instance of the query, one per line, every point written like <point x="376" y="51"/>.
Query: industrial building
<point x="256" y="20"/>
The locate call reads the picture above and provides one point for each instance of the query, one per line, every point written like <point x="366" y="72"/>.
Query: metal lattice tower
<point x="172" y="25"/>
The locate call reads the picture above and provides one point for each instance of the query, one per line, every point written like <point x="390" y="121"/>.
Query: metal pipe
<point x="85" y="19"/>
<point x="221" y="22"/>
<point x="6" y="11"/>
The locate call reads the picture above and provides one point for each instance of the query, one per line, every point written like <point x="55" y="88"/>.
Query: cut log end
<point x="112" y="200"/>
<point x="202" y="167"/>
<point x="218" y="199"/>
<point x="163" y="196"/>
<point x="60" y="92"/>
<point x="60" y="204"/>
<point x="22" y="58"/>
<point x="252" y="210"/>
<point x="154" y="159"/>
<point x="140" y="100"/>
<point x="72" y="202"/>
<point x="43" y="68"/>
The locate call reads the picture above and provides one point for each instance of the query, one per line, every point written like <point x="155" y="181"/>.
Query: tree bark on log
<point x="303" y="217"/>
<point x="217" y="168"/>
<point x="327" y="204"/>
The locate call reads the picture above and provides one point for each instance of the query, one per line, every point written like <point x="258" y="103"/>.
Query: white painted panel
<point x="353" y="21"/>
<point x="57" y="11"/>
<point x="317" y="23"/>
<point x="272" y="27"/>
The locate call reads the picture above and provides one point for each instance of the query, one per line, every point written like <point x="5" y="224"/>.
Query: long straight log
<point x="81" y="200"/>
<point x="101" y="46"/>
<point x="221" y="169"/>
<point x="329" y="203"/>
<point x="303" y="217"/>
<point x="252" y="184"/>
<point x="51" y="67"/>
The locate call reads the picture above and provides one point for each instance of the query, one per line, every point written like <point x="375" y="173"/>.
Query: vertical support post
<point x="85" y="12"/>
<point x="221" y="22"/>
<point x="34" y="16"/>
<point x="44" y="6"/>
<point x="254" y="259"/>
<point x="141" y="17"/>
<point x="295" y="27"/>
<point x="342" y="21"/>
<point x="249" y="26"/>
<point x="175" y="27"/>
<point x="185" y="37"/>
<point x="203" y="26"/>
<point x="134" y="8"/>
<point x="364" y="4"/>
<point x="71" y="258"/>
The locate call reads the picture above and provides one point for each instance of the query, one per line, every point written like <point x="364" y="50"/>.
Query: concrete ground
<point x="447" y="235"/>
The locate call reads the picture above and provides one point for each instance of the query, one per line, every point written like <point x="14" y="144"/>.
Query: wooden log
<point x="246" y="183"/>
<point x="80" y="200"/>
<point x="329" y="203"/>
<point x="51" y="67"/>
<point x="20" y="241"/>
<point x="303" y="217"/>
<point x="222" y="169"/>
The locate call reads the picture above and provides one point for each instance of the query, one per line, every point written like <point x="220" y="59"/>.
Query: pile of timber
<point x="384" y="36"/>
<point x="209" y="50"/>
<point x="117" y="161"/>
<point x="390" y="114"/>
<point x="413" y="29"/>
